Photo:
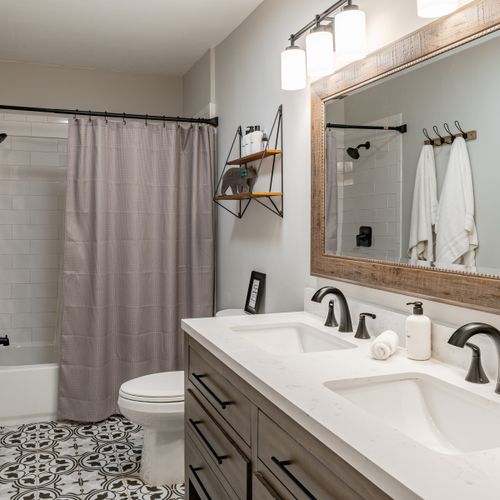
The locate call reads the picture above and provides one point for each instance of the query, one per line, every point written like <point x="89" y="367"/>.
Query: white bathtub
<point x="28" y="384"/>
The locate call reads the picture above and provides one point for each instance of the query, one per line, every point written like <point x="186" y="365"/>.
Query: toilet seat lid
<point x="164" y="387"/>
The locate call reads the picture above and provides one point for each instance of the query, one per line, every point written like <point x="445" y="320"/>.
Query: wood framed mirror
<point x="476" y="26"/>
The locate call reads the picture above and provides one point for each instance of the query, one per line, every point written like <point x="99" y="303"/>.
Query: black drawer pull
<point x="282" y="464"/>
<point x="219" y="458"/>
<point x="199" y="481"/>
<point x="267" y="486"/>
<point x="222" y="404"/>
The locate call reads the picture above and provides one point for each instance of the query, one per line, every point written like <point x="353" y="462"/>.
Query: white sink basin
<point x="436" y="414"/>
<point x="290" y="338"/>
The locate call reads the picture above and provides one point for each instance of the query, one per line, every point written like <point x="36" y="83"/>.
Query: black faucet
<point x="465" y="332"/>
<point x="345" y="315"/>
<point x="4" y="341"/>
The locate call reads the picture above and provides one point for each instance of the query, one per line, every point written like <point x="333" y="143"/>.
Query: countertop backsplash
<point x="394" y="319"/>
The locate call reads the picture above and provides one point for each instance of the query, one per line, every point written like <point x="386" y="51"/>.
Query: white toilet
<point x="156" y="402"/>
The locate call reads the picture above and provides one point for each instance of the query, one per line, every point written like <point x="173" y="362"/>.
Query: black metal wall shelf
<point x="271" y="199"/>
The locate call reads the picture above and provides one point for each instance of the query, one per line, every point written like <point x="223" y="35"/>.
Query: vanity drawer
<point x="302" y="473"/>
<point x="200" y="475"/>
<point x="267" y="487"/>
<point x="224" y="453"/>
<point x="227" y="400"/>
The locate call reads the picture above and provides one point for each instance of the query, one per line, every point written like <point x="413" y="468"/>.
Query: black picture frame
<point x="255" y="292"/>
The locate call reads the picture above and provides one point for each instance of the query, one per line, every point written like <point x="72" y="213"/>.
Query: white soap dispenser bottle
<point x="418" y="333"/>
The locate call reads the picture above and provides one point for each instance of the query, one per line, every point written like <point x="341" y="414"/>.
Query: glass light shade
<point x="350" y="34"/>
<point x="435" y="8"/>
<point x="293" y="69"/>
<point x="319" y="48"/>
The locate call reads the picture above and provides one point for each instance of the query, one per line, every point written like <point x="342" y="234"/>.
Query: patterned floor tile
<point x="65" y="461"/>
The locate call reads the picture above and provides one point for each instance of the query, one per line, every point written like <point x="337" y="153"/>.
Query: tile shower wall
<point x="370" y="191"/>
<point x="33" y="163"/>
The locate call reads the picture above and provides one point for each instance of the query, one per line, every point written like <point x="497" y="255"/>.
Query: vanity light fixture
<point x="436" y="8"/>
<point x="293" y="67"/>
<point x="348" y="23"/>
<point x="350" y="33"/>
<point x="319" y="50"/>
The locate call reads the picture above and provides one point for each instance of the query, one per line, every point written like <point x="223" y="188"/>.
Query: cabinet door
<point x="227" y="400"/>
<point x="225" y="455"/>
<point x="201" y="477"/>
<point x="267" y="487"/>
<point x="302" y="473"/>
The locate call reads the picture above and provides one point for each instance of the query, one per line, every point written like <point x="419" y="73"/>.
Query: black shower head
<point x="2" y="137"/>
<point x="354" y="152"/>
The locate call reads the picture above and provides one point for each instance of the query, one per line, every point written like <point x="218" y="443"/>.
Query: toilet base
<point x="162" y="461"/>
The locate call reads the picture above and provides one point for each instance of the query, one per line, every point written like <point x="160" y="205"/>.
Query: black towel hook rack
<point x="470" y="135"/>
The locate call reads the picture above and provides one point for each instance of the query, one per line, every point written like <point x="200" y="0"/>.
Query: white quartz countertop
<point x="400" y="466"/>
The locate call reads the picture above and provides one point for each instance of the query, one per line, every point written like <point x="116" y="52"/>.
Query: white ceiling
<point x="140" y="36"/>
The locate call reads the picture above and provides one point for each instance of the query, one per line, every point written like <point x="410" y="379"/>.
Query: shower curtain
<point x="138" y="255"/>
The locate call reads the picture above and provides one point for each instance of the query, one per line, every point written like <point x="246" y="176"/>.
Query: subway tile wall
<point x="370" y="191"/>
<point x="33" y="162"/>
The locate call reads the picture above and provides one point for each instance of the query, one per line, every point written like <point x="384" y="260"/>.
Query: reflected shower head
<point x="354" y="152"/>
<point x="2" y="137"/>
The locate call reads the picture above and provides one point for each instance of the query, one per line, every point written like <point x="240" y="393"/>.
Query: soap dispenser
<point x="418" y="333"/>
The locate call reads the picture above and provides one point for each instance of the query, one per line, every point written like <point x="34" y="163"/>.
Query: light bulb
<point x="350" y="34"/>
<point x="293" y="68"/>
<point x="319" y="48"/>
<point x="436" y="8"/>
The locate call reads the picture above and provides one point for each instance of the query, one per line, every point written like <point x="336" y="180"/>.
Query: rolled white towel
<point x="384" y="345"/>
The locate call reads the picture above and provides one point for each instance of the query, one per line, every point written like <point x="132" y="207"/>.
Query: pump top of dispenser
<point x="418" y="307"/>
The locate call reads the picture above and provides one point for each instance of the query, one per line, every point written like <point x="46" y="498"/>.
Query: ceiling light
<point x="350" y="34"/>
<point x="293" y="68"/>
<point x="319" y="48"/>
<point x="436" y="8"/>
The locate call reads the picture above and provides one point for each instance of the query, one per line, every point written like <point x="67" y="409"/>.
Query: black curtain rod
<point x="320" y="17"/>
<point x="402" y="129"/>
<point x="209" y="121"/>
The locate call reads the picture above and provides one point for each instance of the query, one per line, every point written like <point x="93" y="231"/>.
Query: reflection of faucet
<point x="4" y="341"/>
<point x="465" y="332"/>
<point x="345" y="315"/>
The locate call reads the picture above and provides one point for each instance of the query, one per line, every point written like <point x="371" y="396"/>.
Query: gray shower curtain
<point x="138" y="255"/>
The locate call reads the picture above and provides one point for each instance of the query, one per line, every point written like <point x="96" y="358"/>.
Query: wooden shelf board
<point x="255" y="156"/>
<point x="247" y="196"/>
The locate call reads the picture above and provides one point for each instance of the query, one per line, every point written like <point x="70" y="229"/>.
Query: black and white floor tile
<point x="66" y="461"/>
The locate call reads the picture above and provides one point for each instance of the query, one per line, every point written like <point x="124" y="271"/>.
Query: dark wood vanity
<point x="239" y="445"/>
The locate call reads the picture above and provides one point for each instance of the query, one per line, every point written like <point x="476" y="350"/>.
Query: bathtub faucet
<point x="4" y="341"/>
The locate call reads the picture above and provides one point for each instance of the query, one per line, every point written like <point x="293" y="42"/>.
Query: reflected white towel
<point x="457" y="241"/>
<point x="424" y="209"/>
<point x="384" y="345"/>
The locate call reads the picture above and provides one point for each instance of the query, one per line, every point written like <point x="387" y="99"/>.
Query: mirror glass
<point x="391" y="197"/>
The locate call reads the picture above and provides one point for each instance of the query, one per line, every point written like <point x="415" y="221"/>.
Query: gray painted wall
<point x="61" y="87"/>
<point x="248" y="91"/>
<point x="463" y="86"/>
<point x="196" y="84"/>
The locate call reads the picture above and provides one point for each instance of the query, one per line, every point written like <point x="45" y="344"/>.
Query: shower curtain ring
<point x="90" y="115"/>
<point x="164" y="121"/>
<point x="146" y="121"/>
<point x="124" y="121"/>
<point x="74" y="116"/>
<point x="106" y="117"/>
